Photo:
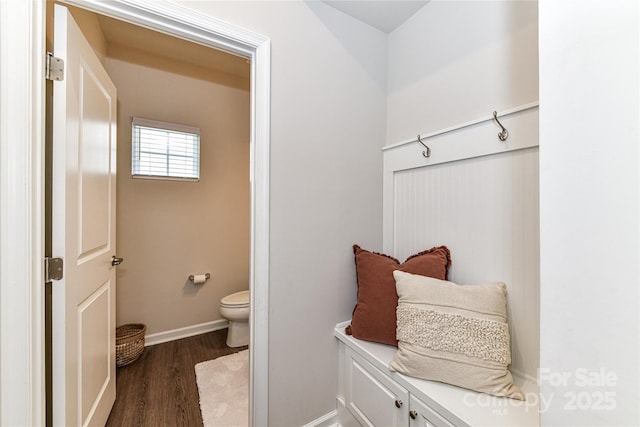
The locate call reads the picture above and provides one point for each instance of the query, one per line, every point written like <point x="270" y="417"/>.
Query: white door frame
<point x="22" y="30"/>
<point x="22" y="212"/>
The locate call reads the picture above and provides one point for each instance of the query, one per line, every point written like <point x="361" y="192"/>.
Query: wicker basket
<point x="129" y="343"/>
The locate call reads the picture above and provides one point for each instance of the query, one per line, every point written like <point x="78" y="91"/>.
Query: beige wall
<point x="168" y="230"/>
<point x="145" y="58"/>
<point x="88" y="23"/>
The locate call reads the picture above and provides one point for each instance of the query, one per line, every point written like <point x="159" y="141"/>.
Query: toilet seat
<point x="236" y="300"/>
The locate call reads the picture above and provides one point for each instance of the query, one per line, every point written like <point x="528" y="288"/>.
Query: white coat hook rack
<point x="505" y="133"/>
<point x="427" y="151"/>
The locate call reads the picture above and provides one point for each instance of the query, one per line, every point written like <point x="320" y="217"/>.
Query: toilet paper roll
<point x="199" y="279"/>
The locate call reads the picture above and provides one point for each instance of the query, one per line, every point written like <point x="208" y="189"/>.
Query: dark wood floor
<point x="160" y="389"/>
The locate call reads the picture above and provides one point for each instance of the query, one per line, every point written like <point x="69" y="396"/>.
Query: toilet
<point x="235" y="308"/>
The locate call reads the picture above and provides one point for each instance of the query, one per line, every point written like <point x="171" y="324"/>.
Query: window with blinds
<point x="164" y="150"/>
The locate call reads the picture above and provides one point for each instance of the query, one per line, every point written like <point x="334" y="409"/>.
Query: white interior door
<point x="84" y="188"/>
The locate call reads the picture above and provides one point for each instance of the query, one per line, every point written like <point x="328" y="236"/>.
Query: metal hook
<point x="504" y="134"/>
<point x="427" y="152"/>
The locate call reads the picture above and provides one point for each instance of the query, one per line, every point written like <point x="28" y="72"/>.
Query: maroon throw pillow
<point x="374" y="316"/>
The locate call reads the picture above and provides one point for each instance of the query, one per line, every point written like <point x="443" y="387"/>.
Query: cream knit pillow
<point x="454" y="334"/>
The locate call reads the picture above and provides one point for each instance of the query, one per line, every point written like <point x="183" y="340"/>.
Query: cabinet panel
<point x="368" y="391"/>
<point x="423" y="416"/>
<point x="372" y="397"/>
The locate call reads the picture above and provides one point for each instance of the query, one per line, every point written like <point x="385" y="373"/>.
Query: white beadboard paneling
<point x="485" y="209"/>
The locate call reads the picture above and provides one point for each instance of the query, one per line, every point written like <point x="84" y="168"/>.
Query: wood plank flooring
<point x="160" y="389"/>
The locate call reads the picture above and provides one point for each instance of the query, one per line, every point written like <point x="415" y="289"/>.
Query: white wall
<point x="455" y="61"/>
<point x="327" y="127"/>
<point x="589" y="225"/>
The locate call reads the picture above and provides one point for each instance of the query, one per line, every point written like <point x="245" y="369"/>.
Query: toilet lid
<point x="237" y="299"/>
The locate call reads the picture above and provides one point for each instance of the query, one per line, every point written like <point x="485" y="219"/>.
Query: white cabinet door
<point x="372" y="397"/>
<point x="423" y="416"/>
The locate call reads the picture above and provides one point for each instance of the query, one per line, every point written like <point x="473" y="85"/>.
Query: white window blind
<point x="164" y="150"/>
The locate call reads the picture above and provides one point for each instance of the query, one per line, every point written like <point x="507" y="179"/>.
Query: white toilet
<point x="235" y="308"/>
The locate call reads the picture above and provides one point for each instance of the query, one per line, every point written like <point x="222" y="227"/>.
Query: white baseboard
<point x="187" y="331"/>
<point x="327" y="420"/>
<point x="344" y="418"/>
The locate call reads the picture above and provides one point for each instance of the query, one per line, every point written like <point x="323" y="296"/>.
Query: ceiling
<point x="120" y="33"/>
<point x="385" y="15"/>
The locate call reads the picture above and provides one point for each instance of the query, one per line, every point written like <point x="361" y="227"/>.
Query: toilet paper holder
<point x="206" y="275"/>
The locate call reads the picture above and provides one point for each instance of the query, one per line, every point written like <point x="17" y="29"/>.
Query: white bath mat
<point x="223" y="385"/>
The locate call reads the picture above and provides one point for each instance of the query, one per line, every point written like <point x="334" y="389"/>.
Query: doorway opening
<point x="186" y="26"/>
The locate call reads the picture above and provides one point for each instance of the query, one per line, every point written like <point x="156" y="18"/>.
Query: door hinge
<point x="55" y="68"/>
<point x="53" y="269"/>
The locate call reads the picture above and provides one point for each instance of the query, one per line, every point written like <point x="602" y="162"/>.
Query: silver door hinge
<point x="53" y="269"/>
<point x="55" y="68"/>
